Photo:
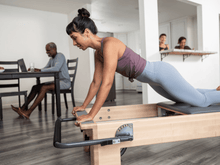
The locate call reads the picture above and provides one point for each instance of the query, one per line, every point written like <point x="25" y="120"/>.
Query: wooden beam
<point x="165" y="129"/>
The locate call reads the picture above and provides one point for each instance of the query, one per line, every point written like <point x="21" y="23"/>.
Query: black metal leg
<point x="72" y="95"/>
<point x="45" y="102"/>
<point x="40" y="105"/>
<point x="25" y="99"/>
<point x="52" y="98"/>
<point x="1" y="115"/>
<point x="19" y="100"/>
<point x="64" y="94"/>
<point x="57" y="85"/>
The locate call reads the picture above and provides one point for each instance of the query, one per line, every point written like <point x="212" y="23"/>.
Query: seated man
<point x="57" y="62"/>
<point x="2" y="68"/>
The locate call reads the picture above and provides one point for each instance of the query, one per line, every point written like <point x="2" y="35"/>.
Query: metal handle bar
<point x="57" y="137"/>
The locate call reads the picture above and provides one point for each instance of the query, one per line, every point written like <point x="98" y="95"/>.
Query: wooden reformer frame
<point x="149" y="127"/>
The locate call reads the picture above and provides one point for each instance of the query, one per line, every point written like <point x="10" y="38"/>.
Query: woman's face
<point x="183" y="43"/>
<point x="79" y="40"/>
<point x="163" y="39"/>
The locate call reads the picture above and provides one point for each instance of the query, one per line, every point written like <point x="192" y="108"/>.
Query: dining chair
<point x="72" y="68"/>
<point x="11" y="83"/>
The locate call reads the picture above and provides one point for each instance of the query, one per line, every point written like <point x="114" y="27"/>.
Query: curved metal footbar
<point x="124" y="133"/>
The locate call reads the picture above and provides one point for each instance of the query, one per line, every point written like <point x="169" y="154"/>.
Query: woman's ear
<point x="87" y="33"/>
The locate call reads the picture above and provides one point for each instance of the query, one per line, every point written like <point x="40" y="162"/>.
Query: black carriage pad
<point x="188" y="109"/>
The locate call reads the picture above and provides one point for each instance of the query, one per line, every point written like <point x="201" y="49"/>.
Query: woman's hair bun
<point x="81" y="22"/>
<point x="83" y="13"/>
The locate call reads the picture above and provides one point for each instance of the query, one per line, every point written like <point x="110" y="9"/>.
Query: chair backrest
<point x="14" y="67"/>
<point x="14" y="63"/>
<point x="72" y="67"/>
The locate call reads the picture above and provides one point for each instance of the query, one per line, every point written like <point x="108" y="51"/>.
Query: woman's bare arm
<point x="110" y="55"/>
<point x="94" y="86"/>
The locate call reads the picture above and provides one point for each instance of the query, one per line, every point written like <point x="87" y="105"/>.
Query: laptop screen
<point x="22" y="65"/>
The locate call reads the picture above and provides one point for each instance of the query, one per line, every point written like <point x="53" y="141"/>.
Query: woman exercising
<point x="112" y="56"/>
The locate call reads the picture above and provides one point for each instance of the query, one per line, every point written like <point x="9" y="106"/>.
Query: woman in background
<point x="182" y="44"/>
<point x="162" y="45"/>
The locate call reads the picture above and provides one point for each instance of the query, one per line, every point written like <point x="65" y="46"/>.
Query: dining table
<point x="37" y="75"/>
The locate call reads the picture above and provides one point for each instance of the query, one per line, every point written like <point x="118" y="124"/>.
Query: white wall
<point x="24" y="34"/>
<point x="191" y="34"/>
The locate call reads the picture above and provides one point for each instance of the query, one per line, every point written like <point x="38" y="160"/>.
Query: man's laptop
<point x="22" y="65"/>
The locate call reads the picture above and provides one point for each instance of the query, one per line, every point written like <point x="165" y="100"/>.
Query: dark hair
<point x="180" y="39"/>
<point x="81" y="22"/>
<point x="163" y="34"/>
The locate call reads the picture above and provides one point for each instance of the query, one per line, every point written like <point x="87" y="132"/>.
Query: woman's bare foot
<point x="20" y="112"/>
<point x="218" y="88"/>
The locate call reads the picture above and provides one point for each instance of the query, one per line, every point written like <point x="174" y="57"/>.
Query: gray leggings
<point x="168" y="82"/>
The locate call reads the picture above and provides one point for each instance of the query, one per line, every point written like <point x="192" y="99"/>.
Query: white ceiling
<point x="116" y="15"/>
<point x="173" y="9"/>
<point x="58" y="6"/>
<point x="109" y="15"/>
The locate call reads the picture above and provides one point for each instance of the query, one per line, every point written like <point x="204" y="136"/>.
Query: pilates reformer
<point x="116" y="128"/>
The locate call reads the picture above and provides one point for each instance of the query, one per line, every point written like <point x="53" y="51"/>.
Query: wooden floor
<point x="26" y="142"/>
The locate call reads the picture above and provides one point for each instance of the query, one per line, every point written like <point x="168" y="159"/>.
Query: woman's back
<point x="129" y="63"/>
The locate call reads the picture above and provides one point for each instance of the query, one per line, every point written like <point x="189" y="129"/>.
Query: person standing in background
<point x="162" y="45"/>
<point x="182" y="44"/>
